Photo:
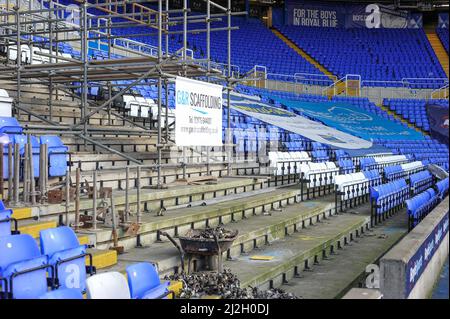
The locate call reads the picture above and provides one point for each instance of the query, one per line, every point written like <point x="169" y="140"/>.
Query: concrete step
<point x="298" y="251"/>
<point x="102" y="259"/>
<point x="179" y="221"/>
<point x="336" y="274"/>
<point x="152" y="199"/>
<point x="254" y="233"/>
<point x="33" y="228"/>
<point x="439" y="49"/>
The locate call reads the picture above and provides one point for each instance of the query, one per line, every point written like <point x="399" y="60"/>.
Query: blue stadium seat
<point x="10" y="125"/>
<point x="22" y="141"/>
<point x="57" y="154"/>
<point x="144" y="282"/>
<point x="22" y="267"/>
<point x="63" y="294"/>
<point x="4" y="141"/>
<point x="373" y="176"/>
<point x="67" y="256"/>
<point x="6" y="219"/>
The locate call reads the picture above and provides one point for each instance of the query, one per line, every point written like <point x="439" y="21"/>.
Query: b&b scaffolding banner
<point x="198" y="113"/>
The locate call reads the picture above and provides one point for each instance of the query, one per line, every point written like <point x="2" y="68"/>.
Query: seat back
<point x="57" y="239"/>
<point x="20" y="253"/>
<point x="5" y="223"/>
<point x="61" y="246"/>
<point x="141" y="278"/>
<point x="108" y="285"/>
<point x="10" y="125"/>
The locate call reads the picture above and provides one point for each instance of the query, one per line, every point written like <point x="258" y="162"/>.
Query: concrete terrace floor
<point x="333" y="277"/>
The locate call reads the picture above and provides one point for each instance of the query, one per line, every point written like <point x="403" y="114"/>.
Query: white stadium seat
<point x="108" y="285"/>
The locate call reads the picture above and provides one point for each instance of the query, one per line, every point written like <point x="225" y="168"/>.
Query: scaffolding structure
<point x="55" y="23"/>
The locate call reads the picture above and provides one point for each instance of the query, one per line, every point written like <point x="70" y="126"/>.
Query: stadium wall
<point x="411" y="269"/>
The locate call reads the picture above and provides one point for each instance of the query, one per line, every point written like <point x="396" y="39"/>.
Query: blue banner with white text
<point x="353" y="120"/>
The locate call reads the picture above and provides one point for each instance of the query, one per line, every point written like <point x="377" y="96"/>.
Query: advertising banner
<point x="353" y="120"/>
<point x="297" y="124"/>
<point x="322" y="14"/>
<point x="310" y="14"/>
<point x="198" y="113"/>
<point x="418" y="263"/>
<point x="438" y="118"/>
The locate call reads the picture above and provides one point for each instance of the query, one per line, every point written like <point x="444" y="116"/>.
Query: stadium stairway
<point x="439" y="49"/>
<point x="337" y="88"/>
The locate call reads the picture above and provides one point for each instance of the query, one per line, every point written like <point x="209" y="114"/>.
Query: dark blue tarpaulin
<point x="438" y="118"/>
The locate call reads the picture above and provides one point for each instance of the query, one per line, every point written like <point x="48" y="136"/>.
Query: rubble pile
<point x="208" y="233"/>
<point x="225" y="284"/>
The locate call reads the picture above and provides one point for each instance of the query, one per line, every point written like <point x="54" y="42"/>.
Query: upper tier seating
<point x="249" y="46"/>
<point x="375" y="54"/>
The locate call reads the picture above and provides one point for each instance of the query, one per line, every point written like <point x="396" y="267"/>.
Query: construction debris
<point x="208" y="233"/>
<point x="225" y="285"/>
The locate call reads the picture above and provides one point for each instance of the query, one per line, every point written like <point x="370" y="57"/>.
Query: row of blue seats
<point x="11" y="133"/>
<point x="28" y="271"/>
<point x="420" y="181"/>
<point x="375" y="54"/>
<point x="442" y="187"/>
<point x="389" y="195"/>
<point x="428" y="149"/>
<point x="346" y="166"/>
<point x="420" y="205"/>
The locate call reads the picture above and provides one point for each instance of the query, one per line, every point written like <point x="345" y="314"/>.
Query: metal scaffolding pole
<point x="228" y="88"/>
<point x="19" y="57"/>
<point x="159" y="91"/>
<point x="85" y="59"/>
<point x="157" y="63"/>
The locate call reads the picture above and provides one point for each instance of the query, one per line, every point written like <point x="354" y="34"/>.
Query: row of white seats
<point x="412" y="166"/>
<point x="278" y="160"/>
<point x="319" y="174"/>
<point x="32" y="55"/>
<point x="391" y="159"/>
<point x="144" y="107"/>
<point x="345" y="181"/>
